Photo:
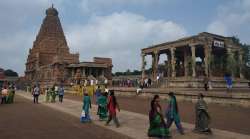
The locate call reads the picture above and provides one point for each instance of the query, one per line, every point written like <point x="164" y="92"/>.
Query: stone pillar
<point x="193" y="60"/>
<point x="83" y="72"/>
<point x="72" y="72"/>
<point x="143" y="66"/>
<point x="185" y="63"/>
<point x="206" y="59"/>
<point x="173" y="62"/>
<point x="240" y="65"/>
<point x="229" y="58"/>
<point x="90" y="71"/>
<point x="155" y="64"/>
<point x="169" y="63"/>
<point x="102" y="72"/>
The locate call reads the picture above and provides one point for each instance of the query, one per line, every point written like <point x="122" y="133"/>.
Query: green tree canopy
<point x="11" y="73"/>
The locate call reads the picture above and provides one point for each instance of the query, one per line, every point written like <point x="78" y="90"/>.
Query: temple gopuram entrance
<point x="189" y="60"/>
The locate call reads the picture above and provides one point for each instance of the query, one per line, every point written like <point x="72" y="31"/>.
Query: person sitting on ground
<point x="157" y="125"/>
<point x="202" y="117"/>
<point x="139" y="90"/>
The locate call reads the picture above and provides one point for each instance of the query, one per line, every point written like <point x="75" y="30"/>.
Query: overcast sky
<point x="117" y="28"/>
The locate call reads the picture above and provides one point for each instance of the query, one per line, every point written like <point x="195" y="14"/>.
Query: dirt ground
<point x="25" y="120"/>
<point x="231" y="118"/>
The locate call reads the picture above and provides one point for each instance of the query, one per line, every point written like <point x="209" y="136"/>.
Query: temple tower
<point x="49" y="51"/>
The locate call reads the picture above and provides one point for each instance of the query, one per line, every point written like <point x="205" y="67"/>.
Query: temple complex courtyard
<point x="120" y="69"/>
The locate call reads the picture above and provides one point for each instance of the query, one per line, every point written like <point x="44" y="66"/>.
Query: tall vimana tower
<point x="50" y="53"/>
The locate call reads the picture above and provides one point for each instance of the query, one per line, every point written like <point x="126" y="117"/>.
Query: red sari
<point x="111" y="106"/>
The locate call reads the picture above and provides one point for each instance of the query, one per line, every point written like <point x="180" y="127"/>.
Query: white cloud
<point x="14" y="51"/>
<point x="91" y="6"/>
<point x="232" y="19"/>
<point x="121" y="36"/>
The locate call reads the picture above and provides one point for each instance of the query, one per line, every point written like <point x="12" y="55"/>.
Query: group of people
<point x="107" y="106"/>
<point x="7" y="94"/>
<point x="50" y="93"/>
<point x="126" y="82"/>
<point x="159" y="127"/>
<point x="228" y="80"/>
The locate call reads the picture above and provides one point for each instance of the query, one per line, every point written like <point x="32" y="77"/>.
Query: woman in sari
<point x="85" y="117"/>
<point x="157" y="126"/>
<point x="172" y="113"/>
<point x="11" y="94"/>
<point x="202" y="116"/>
<point x="102" y="106"/>
<point x="47" y="94"/>
<point x="112" y="106"/>
<point x="53" y="95"/>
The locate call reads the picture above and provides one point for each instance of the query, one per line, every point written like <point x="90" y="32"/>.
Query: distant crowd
<point x="50" y="93"/>
<point x="7" y="94"/>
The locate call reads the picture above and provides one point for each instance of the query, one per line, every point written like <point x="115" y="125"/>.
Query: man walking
<point x="61" y="93"/>
<point x="36" y="93"/>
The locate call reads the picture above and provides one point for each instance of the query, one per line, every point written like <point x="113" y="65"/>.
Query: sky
<point x="117" y="28"/>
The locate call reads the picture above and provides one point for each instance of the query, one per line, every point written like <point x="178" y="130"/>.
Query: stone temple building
<point x="50" y="61"/>
<point x="190" y="59"/>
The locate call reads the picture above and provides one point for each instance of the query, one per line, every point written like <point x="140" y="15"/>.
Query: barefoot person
<point x="157" y="126"/>
<point x="85" y="117"/>
<point x="112" y="106"/>
<point x="172" y="113"/>
<point x="202" y="116"/>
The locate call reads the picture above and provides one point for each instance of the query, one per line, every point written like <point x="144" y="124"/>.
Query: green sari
<point x="47" y="95"/>
<point x="102" y="112"/>
<point x="10" y="98"/>
<point x="53" y="95"/>
<point x="157" y="126"/>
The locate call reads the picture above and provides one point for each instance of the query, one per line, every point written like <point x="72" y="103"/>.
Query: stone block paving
<point x="134" y="125"/>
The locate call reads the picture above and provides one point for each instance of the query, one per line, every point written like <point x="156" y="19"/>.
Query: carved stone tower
<point x="50" y="51"/>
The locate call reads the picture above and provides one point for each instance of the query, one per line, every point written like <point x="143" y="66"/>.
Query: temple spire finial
<point x="52" y="5"/>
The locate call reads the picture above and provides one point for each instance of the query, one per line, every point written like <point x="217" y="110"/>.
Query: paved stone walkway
<point x="133" y="124"/>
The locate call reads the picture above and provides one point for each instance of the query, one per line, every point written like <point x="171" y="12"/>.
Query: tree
<point x="246" y="61"/>
<point x="11" y="73"/>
